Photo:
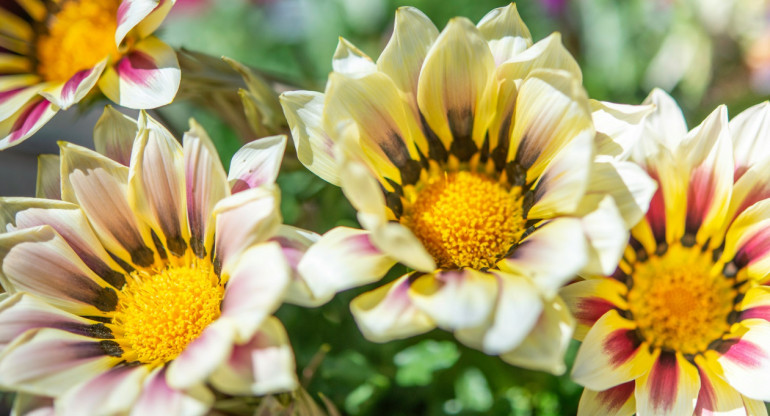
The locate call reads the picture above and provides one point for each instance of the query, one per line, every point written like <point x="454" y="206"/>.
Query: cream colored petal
<point x="670" y="387"/>
<point x="607" y="237"/>
<point x="747" y="130"/>
<point x="544" y="347"/>
<point x="667" y="122"/>
<point x="548" y="53"/>
<point x="303" y="110"/>
<point x="505" y="32"/>
<point x="257" y="163"/>
<point x="716" y="397"/>
<point x="245" y="219"/>
<point x="398" y="242"/>
<point x="110" y="393"/>
<point x="202" y="356"/>
<point x="562" y="185"/>
<point x="455" y="299"/>
<point x="455" y="92"/>
<point x="350" y="61"/>
<point x="156" y="184"/>
<point x="29" y="118"/>
<point x="402" y="58"/>
<point x="754" y="407"/>
<point x="49" y="361"/>
<point x="745" y="358"/>
<point x="158" y="398"/>
<point x="294" y="243"/>
<point x="15" y="97"/>
<point x="263" y="365"/>
<point x="342" y="259"/>
<point x="618" y="127"/>
<point x="144" y="15"/>
<point x="114" y="135"/>
<point x="516" y="311"/>
<point x="205" y="185"/>
<point x="387" y="312"/>
<point x="363" y="192"/>
<point x="589" y="300"/>
<point x="48" y="177"/>
<point x="746" y="242"/>
<point x="99" y="186"/>
<point x="70" y="92"/>
<point x="22" y="312"/>
<point x="551" y="256"/>
<point x="551" y="110"/>
<point x="37" y="260"/>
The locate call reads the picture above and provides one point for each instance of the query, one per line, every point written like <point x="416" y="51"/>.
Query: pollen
<point x="159" y="313"/>
<point x="466" y="219"/>
<point x="678" y="302"/>
<point x="78" y="36"/>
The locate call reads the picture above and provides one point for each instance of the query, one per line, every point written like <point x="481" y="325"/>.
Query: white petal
<point x="506" y="33"/>
<point x="455" y="299"/>
<point x="158" y="398"/>
<point x="114" y="135"/>
<point x="256" y="163"/>
<point x="201" y="357"/>
<point x="110" y="393"/>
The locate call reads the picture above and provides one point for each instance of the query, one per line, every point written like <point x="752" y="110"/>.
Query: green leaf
<point x="417" y="364"/>
<point x="472" y="391"/>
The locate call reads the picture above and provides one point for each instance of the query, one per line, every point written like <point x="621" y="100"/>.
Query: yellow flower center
<point x="80" y="34"/>
<point x="161" y="312"/>
<point x="679" y="302"/>
<point x="466" y="219"/>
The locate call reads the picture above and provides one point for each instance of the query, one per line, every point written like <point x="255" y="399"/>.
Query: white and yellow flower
<point x="469" y="155"/>
<point x="69" y="48"/>
<point x="682" y="325"/>
<point x="148" y="275"/>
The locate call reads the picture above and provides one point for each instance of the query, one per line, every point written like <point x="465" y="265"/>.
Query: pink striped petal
<point x="39" y="261"/>
<point x="747" y="242"/>
<point x="110" y="393"/>
<point x="716" y="398"/>
<point x="263" y="365"/>
<point x="591" y="299"/>
<point x="517" y="308"/>
<point x="100" y="186"/>
<point x="156" y="184"/>
<point x="294" y="243"/>
<point x="145" y="15"/>
<point x="245" y="219"/>
<point x="22" y="312"/>
<point x="49" y="361"/>
<point x="147" y="77"/>
<point x="342" y="259"/>
<point x="114" y="135"/>
<point x="615" y="401"/>
<point x="158" y="398"/>
<point x="74" y="89"/>
<point x="256" y="163"/>
<point x="25" y="122"/>
<point x="205" y="185"/>
<point x="745" y="360"/>
<point x="201" y="357"/>
<point x="48" y="177"/>
<point x="671" y="387"/>
<point x="255" y="288"/>
<point x="611" y="354"/>
<point x="11" y="100"/>
<point x="387" y="313"/>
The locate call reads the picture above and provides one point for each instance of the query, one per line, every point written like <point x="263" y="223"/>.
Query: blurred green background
<point x="704" y="52"/>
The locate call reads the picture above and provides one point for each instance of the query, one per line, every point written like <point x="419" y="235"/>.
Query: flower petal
<point x="544" y="347"/>
<point x="455" y="299"/>
<point x="745" y="359"/>
<point x="400" y="243"/>
<point x="607" y="238"/>
<point x="39" y="261"/>
<point x="516" y="311"/>
<point x="716" y="397"/>
<point x="303" y="110"/>
<point x="263" y="365"/>
<point x="552" y="255"/>
<point x="666" y="123"/>
<point x="146" y="77"/>
<point x="48" y="177"/>
<point x="205" y="185"/>
<point x="388" y="313"/>
<point x="505" y="32"/>
<point x="747" y="242"/>
<point x="671" y="387"/>
<point x="32" y="405"/>
<point x="158" y="398"/>
<point x="16" y="97"/>
<point x="76" y="88"/>
<point x="244" y="219"/>
<point x="256" y="163"/>
<point x="548" y="53"/>
<point x="49" y="361"/>
<point x="25" y="122"/>
<point x="201" y="357"/>
<point x="255" y="288"/>
<point x="611" y="354"/>
<point x="145" y="15"/>
<point x="350" y="61"/>
<point x="114" y="135"/>
<point x="755" y="304"/>
<point x="22" y="312"/>
<point x="589" y="300"/>
<point x="746" y="130"/>
<point x="294" y="243"/>
<point x="342" y="259"/>
<point x="110" y="393"/>
<point x="615" y="401"/>
<point x="618" y="127"/>
<point x="455" y="93"/>
<point x="99" y="186"/>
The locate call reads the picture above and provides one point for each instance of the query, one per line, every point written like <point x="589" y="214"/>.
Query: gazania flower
<point x="70" y="47"/>
<point x="468" y="155"/>
<point x="148" y="282"/>
<point x="682" y="325"/>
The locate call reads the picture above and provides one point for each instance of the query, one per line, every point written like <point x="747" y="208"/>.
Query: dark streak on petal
<point x="436" y="149"/>
<point x="158" y="246"/>
<point x="106" y="300"/>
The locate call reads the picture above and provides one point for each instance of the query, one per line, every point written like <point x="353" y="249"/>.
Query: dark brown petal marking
<point x="177" y="246"/>
<point x="114" y="278"/>
<point x="85" y="350"/>
<point x="142" y="256"/>
<point x="393" y="201"/>
<point x="436" y="149"/>
<point x="526" y="159"/>
<point x="197" y="246"/>
<point x="461" y="125"/>
<point x="517" y="175"/>
<point x="94" y="331"/>
<point x="111" y="348"/>
<point x="500" y="153"/>
<point x="106" y="299"/>
<point x="159" y="246"/>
